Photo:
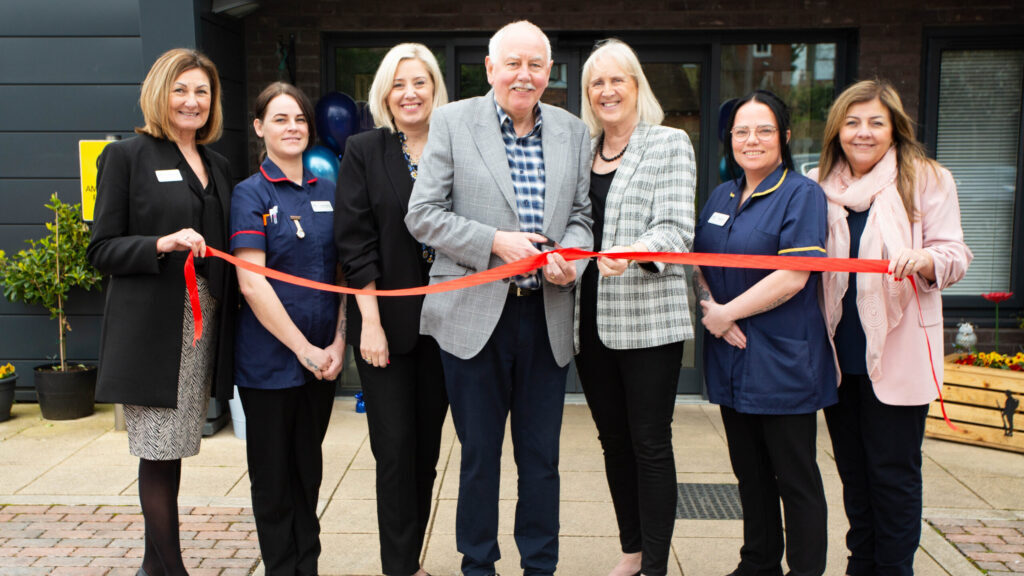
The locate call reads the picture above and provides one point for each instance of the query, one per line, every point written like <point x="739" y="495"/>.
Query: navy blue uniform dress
<point x="769" y="391"/>
<point x="287" y="409"/>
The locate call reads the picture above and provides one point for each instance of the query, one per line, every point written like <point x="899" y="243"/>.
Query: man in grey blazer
<point x="501" y="175"/>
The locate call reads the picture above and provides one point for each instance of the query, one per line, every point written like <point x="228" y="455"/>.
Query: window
<point x="977" y="140"/>
<point x="973" y="123"/>
<point x="803" y="75"/>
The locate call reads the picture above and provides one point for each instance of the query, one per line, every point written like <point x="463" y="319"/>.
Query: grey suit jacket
<point x="651" y="200"/>
<point x="464" y="194"/>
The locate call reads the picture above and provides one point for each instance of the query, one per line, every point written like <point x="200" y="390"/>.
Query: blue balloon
<point x="322" y="162"/>
<point x="336" y="119"/>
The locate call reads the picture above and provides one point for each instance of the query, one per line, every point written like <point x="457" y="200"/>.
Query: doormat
<point x="709" y="502"/>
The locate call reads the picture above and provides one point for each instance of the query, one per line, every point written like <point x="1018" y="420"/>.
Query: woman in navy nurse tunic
<point x="769" y="364"/>
<point x="291" y="339"/>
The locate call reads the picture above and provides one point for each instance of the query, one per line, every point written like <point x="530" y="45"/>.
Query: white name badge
<point x="718" y="219"/>
<point x="173" y="175"/>
<point x="322" y="206"/>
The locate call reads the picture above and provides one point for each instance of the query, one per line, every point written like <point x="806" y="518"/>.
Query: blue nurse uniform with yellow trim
<point x="787" y="366"/>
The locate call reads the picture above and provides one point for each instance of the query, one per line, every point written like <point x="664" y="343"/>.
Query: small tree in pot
<point x="44" y="274"/>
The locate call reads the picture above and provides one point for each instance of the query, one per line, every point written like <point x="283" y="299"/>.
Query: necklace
<point x="600" y="151"/>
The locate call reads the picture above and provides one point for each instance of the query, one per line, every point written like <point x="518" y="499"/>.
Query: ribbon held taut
<point x="525" y="265"/>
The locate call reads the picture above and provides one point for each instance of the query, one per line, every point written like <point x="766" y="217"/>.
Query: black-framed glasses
<point x="763" y="133"/>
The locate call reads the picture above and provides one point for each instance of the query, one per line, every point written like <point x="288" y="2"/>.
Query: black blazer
<point x="373" y="243"/>
<point x="140" y="344"/>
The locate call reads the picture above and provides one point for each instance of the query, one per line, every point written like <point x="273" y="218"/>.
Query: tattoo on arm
<point x="700" y="286"/>
<point x="778" y="302"/>
<point x="312" y="365"/>
<point x="342" y="316"/>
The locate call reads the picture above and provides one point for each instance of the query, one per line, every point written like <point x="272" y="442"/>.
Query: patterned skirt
<point x="172" y="433"/>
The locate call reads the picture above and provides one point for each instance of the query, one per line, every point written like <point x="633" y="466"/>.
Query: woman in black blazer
<point x="400" y="370"/>
<point x="161" y="195"/>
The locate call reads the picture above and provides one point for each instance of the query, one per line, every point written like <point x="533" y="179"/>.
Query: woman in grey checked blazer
<point x="631" y="321"/>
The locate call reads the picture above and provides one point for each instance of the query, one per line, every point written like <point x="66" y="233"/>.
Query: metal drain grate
<point x="709" y="502"/>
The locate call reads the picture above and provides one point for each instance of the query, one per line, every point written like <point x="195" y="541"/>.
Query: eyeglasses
<point x="741" y="133"/>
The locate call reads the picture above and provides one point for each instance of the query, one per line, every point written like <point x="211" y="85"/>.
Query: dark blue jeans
<point x="878" y="454"/>
<point x="515" y="374"/>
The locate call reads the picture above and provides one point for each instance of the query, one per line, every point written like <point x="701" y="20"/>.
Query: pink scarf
<point x="880" y="299"/>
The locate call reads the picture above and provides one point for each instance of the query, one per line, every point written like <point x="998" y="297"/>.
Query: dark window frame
<point x="934" y="42"/>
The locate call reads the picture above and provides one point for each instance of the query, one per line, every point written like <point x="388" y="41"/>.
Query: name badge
<point x="173" y="175"/>
<point x="718" y="219"/>
<point x="322" y="206"/>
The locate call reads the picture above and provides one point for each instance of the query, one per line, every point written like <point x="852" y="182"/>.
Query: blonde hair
<point x="647" y="107"/>
<point x="909" y="152"/>
<point x="382" y="82"/>
<point x="156" y="91"/>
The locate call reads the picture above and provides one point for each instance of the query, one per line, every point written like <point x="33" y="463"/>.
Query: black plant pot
<point x="65" y="395"/>
<point x="7" y="396"/>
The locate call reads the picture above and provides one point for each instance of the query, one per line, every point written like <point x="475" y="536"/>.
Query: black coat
<point x="140" y="346"/>
<point x="372" y="240"/>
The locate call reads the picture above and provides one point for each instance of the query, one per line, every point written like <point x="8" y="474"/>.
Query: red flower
<point x="997" y="297"/>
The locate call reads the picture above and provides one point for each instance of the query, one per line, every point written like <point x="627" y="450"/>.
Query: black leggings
<point x="631" y="394"/>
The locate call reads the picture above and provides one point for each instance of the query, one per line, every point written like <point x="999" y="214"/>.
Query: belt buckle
<point x="519" y="291"/>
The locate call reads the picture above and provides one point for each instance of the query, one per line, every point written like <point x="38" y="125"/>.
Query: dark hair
<point x="781" y="113"/>
<point x="277" y="89"/>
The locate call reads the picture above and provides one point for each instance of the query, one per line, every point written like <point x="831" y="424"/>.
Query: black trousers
<point x="631" y="395"/>
<point x="878" y="454"/>
<point x="515" y="375"/>
<point x="284" y="430"/>
<point x="406" y="405"/>
<point x="773" y="457"/>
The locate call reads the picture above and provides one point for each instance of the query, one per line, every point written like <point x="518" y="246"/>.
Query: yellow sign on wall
<point x="88" y="153"/>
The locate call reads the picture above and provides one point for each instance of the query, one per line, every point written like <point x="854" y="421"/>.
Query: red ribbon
<point x="193" y="298"/>
<point x="525" y="265"/>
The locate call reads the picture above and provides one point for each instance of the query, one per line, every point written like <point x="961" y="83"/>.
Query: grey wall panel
<point x="71" y="60"/>
<point x="236" y="116"/>
<point x="164" y="25"/>
<point x="88" y="302"/>
<point x="52" y="155"/>
<point x="13" y="236"/>
<point x="35" y="337"/>
<point x="24" y="200"/>
<point x="69" y="17"/>
<point x="222" y="39"/>
<point x="69" y="108"/>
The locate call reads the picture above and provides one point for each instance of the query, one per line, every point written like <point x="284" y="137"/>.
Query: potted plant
<point x="982" y="392"/>
<point x="44" y="274"/>
<point x="8" y="379"/>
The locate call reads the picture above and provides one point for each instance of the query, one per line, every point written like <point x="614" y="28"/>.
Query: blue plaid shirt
<point x="526" y="164"/>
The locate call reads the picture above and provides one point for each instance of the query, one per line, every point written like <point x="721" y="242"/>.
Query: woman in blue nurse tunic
<point x="291" y="339"/>
<point x="769" y="364"/>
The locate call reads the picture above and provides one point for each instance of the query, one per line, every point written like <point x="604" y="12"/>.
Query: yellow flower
<point x="6" y="370"/>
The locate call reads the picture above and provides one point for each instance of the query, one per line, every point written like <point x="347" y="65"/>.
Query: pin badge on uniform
<point x="298" y="227"/>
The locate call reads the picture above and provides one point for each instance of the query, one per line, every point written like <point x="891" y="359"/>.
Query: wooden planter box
<point x="974" y="397"/>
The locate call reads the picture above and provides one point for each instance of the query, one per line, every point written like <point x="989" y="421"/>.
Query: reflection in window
<point x="355" y="68"/>
<point x="979" y="120"/>
<point x="801" y="74"/>
<point x="677" y="88"/>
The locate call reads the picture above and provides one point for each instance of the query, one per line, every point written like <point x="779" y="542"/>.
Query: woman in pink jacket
<point x="887" y="200"/>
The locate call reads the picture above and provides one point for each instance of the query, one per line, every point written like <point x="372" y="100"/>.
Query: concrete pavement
<point x="69" y="505"/>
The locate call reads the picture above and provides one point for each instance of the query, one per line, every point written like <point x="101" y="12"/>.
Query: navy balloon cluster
<point x="337" y="117"/>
